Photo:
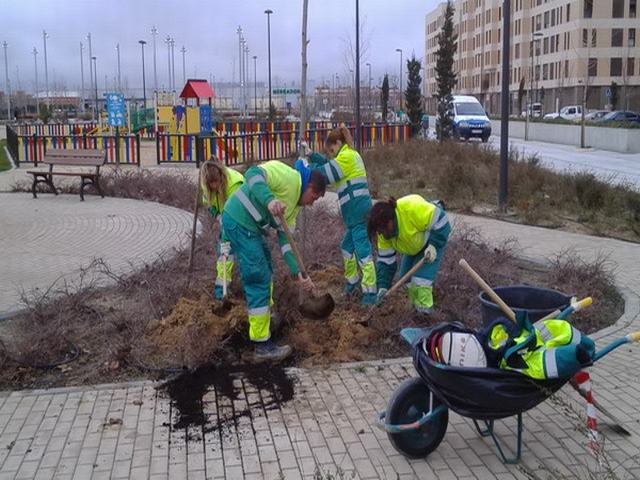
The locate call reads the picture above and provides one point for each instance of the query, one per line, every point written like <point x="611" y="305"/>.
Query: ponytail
<point x="379" y="217"/>
<point x="339" y="134"/>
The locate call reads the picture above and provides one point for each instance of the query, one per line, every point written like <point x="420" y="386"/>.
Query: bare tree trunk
<point x="303" y="117"/>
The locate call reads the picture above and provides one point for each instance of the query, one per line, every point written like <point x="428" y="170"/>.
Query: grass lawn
<point x="5" y="164"/>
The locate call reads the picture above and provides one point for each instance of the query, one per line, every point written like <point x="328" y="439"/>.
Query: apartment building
<point x="557" y="48"/>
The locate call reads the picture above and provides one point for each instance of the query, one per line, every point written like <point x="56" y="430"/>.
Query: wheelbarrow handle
<point x="629" y="338"/>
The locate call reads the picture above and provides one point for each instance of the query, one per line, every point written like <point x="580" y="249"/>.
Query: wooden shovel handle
<point x="406" y="276"/>
<point x="194" y="227"/>
<point x="294" y="245"/>
<point x="488" y="290"/>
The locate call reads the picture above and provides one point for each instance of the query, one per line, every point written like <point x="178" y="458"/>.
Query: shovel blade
<point x="317" y="308"/>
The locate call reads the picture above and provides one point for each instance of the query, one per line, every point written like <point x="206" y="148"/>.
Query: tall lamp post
<point x="45" y="35"/>
<point x="95" y="86"/>
<point x="369" y="95"/>
<point x="183" y="50"/>
<point x="504" y="107"/>
<point x="35" y="65"/>
<point x="82" y="92"/>
<point x="535" y="38"/>
<point x="6" y="79"/>
<point x="118" y="53"/>
<point x="144" y="85"/>
<point x="168" y="42"/>
<point x="255" y="87"/>
<point x="357" y="79"/>
<point x="154" y="34"/>
<point x="400" y="51"/>
<point x="268" y="12"/>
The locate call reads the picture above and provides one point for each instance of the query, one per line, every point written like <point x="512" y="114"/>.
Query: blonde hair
<point x="214" y="170"/>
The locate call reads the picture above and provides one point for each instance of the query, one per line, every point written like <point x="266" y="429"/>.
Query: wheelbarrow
<point x="417" y="414"/>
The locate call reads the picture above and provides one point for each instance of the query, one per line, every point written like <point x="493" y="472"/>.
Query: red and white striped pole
<point x="584" y="383"/>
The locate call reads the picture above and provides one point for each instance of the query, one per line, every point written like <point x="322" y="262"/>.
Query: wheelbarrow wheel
<point x="408" y="404"/>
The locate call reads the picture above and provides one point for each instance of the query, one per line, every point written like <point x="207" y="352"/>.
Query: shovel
<point x="395" y="287"/>
<point x="314" y="307"/>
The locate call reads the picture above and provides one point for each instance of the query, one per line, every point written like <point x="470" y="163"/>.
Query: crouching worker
<point x="270" y="191"/>
<point x="415" y="228"/>
<point x="217" y="183"/>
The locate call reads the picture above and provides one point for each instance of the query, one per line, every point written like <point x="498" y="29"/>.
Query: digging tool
<point x="557" y="314"/>
<point x="395" y="287"/>
<point x="315" y="307"/>
<point x="196" y="209"/>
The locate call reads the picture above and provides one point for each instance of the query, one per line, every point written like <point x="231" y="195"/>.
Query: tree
<point x="413" y="97"/>
<point x="614" y="96"/>
<point x="273" y="112"/>
<point x="446" y="78"/>
<point x="45" y="113"/>
<point x="384" y="97"/>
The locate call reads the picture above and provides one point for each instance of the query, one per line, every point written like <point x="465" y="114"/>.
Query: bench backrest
<point x="80" y="157"/>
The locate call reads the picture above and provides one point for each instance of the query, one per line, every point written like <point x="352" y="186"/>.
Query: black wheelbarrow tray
<point x="417" y="414"/>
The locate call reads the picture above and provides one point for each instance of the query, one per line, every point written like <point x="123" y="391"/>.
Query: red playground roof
<point x="197" y="89"/>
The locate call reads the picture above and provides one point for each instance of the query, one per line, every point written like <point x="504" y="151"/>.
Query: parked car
<point x="535" y="110"/>
<point x="571" y="112"/>
<point x="620" y="116"/>
<point x="595" y="115"/>
<point x="469" y="119"/>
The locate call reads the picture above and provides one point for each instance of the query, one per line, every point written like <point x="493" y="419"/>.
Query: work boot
<point x="219" y="293"/>
<point x="275" y="323"/>
<point x="270" y="352"/>
<point x="351" y="290"/>
<point x="369" y="299"/>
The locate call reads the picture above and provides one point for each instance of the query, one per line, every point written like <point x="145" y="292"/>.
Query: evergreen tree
<point x="520" y="95"/>
<point x="384" y="100"/>
<point x="413" y="97"/>
<point x="446" y="78"/>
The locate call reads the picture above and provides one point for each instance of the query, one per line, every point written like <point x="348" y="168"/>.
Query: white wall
<point x="614" y="139"/>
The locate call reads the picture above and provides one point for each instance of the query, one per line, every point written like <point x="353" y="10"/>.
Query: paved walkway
<point x="52" y="237"/>
<point x="128" y="431"/>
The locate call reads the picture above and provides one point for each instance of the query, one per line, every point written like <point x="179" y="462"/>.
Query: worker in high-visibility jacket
<point x="547" y="349"/>
<point x="415" y="228"/>
<point x="270" y="191"/>
<point x="217" y="183"/>
<point x="347" y="172"/>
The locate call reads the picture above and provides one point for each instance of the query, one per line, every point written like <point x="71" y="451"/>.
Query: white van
<point x="469" y="119"/>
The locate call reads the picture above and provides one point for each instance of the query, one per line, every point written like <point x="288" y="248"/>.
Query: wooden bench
<point x="73" y="158"/>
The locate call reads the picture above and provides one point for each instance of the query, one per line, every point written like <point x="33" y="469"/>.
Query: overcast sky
<point x="208" y="31"/>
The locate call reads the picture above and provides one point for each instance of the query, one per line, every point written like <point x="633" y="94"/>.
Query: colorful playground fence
<point x="43" y="129"/>
<point x="236" y="149"/>
<point x="121" y="149"/>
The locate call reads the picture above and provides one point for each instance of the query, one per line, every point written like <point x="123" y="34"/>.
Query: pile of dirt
<point x="195" y="328"/>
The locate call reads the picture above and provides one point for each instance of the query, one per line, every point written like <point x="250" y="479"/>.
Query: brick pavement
<point x="328" y="425"/>
<point x="52" y="237"/>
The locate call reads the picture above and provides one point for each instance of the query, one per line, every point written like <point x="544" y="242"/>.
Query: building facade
<point x="557" y="48"/>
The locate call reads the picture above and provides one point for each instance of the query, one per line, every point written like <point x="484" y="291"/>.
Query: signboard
<point x="116" y="109"/>
<point x="608" y="92"/>
<point x="286" y="91"/>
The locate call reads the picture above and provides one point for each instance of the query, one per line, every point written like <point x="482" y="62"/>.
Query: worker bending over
<point x="415" y="228"/>
<point x="271" y="191"/>
<point x="347" y="172"/>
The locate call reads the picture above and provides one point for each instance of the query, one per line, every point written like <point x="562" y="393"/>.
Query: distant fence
<point x="121" y="149"/>
<point x="259" y="146"/>
<point x="54" y="128"/>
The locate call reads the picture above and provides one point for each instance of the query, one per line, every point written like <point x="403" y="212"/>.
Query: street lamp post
<point x="400" y="50"/>
<point x="35" y="65"/>
<point x="183" y="50"/>
<point x="268" y="12"/>
<point x="534" y="39"/>
<point x="95" y="86"/>
<point x="154" y="34"/>
<point x="240" y="62"/>
<point x="144" y="85"/>
<point x="504" y="107"/>
<point x="118" y="52"/>
<point x="90" y="72"/>
<point x="45" y="35"/>
<point x="369" y="94"/>
<point x="6" y="79"/>
<point x="173" y="63"/>
<point x="168" y="42"/>
<point x="357" y="79"/>
<point x="255" y="87"/>
<point x="246" y="79"/>
<point x="82" y="92"/>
